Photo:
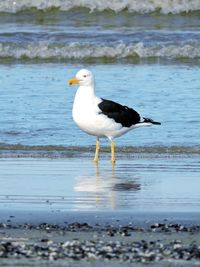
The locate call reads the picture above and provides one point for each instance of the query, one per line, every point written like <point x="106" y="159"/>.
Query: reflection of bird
<point x="100" y="117"/>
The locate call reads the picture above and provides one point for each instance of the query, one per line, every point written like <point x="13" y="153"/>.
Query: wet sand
<point x="137" y="183"/>
<point x="68" y="212"/>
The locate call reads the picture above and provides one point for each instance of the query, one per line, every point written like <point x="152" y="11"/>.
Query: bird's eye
<point x="84" y="76"/>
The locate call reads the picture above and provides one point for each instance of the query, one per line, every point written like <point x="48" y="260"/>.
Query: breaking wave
<point x="145" y="6"/>
<point x="78" y="51"/>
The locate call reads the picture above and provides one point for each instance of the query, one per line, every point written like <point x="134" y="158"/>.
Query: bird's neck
<point x="85" y="92"/>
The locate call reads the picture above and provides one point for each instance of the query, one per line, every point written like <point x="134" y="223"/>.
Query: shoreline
<point x="16" y="217"/>
<point x="9" y="151"/>
<point x="60" y="230"/>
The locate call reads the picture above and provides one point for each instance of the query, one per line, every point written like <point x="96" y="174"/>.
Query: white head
<point x="83" y="78"/>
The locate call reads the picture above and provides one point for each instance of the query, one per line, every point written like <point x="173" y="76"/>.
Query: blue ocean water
<point x="144" y="55"/>
<point x="36" y="103"/>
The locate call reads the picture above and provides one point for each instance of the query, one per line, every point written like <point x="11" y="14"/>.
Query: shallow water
<point x="144" y="54"/>
<point x="148" y="183"/>
<point x="36" y="103"/>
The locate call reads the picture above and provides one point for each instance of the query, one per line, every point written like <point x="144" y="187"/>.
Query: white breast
<point x="85" y="110"/>
<point x="88" y="117"/>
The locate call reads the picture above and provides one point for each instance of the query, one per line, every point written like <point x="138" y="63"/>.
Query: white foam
<point x="43" y="50"/>
<point x="144" y="6"/>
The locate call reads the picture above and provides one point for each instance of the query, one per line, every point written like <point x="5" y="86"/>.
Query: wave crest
<point x="78" y="51"/>
<point x="145" y="6"/>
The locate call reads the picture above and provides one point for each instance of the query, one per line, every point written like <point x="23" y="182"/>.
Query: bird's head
<point x="83" y="77"/>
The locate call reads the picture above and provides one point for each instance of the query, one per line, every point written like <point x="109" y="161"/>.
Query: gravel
<point x="78" y="241"/>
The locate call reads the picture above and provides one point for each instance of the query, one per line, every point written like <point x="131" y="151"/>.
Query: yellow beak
<point x="73" y="81"/>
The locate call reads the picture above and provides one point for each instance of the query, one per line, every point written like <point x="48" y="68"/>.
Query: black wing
<point x="121" y="114"/>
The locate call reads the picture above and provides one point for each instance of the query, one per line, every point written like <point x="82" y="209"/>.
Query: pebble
<point x="164" y="227"/>
<point x="124" y="250"/>
<point x="80" y="249"/>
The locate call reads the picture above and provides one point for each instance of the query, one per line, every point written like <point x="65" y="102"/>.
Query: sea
<point x="143" y="54"/>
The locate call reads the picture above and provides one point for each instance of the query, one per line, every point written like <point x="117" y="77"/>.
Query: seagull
<point x="100" y="117"/>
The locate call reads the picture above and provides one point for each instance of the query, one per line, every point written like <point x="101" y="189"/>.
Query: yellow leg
<point x="96" y="157"/>
<point x="112" y="152"/>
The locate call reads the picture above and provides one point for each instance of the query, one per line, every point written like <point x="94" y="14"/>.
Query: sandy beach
<point x="61" y="215"/>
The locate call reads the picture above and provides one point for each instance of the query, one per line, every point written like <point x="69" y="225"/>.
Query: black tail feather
<point x="151" y="121"/>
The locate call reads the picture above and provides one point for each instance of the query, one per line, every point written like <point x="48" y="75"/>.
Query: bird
<point x="101" y="117"/>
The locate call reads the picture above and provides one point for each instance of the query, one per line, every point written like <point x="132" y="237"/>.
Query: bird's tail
<point x="147" y="120"/>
